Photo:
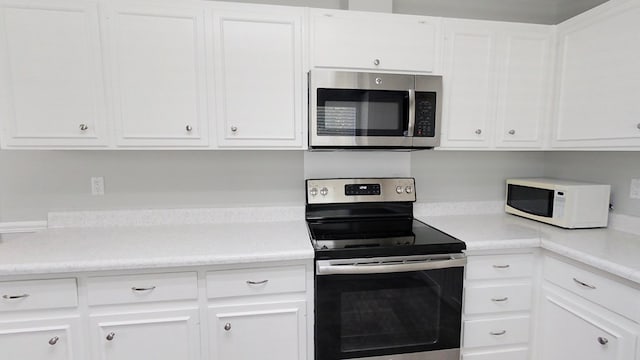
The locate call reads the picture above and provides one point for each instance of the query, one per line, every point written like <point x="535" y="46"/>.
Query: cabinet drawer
<point x="105" y="290"/>
<point x="603" y="291"/>
<point x="38" y="294"/>
<point x="513" y="354"/>
<point x="243" y="282"/>
<point x="499" y="266"/>
<point x="498" y="331"/>
<point x="497" y="298"/>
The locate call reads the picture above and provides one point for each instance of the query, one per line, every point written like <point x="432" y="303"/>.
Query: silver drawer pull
<point x="500" y="299"/>
<point x="143" y="289"/>
<point x="110" y="336"/>
<point x="14" y="297"/>
<point x="227" y="326"/>
<point x="584" y="284"/>
<point x="53" y="340"/>
<point x="257" y="282"/>
<point x="603" y="340"/>
<point x="501" y="266"/>
<point x="498" y="333"/>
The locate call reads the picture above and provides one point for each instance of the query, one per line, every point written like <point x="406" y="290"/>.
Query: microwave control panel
<point x="425" y="114"/>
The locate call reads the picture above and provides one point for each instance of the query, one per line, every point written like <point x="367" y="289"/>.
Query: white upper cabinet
<point x="374" y="41"/>
<point x="51" y="85"/>
<point x="259" y="76"/>
<point x="469" y="83"/>
<point x="157" y="72"/>
<point x="497" y="81"/>
<point x="598" y="79"/>
<point x="524" y="87"/>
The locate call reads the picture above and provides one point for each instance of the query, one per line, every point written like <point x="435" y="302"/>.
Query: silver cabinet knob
<point x="376" y="62"/>
<point x="234" y="129"/>
<point x="478" y="131"/>
<point x="189" y="128"/>
<point x="110" y="336"/>
<point x="227" y="326"/>
<point x="15" y="297"/>
<point x="603" y="340"/>
<point x="638" y="126"/>
<point x="53" y="340"/>
<point x="84" y="127"/>
<point x="512" y="132"/>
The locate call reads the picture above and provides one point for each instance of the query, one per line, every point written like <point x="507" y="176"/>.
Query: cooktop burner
<point x="356" y="218"/>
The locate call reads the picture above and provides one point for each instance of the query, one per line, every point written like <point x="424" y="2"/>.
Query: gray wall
<point x="614" y="168"/>
<point x="470" y="175"/>
<point x="35" y="182"/>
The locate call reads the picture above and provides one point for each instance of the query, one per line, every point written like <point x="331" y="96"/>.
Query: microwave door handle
<point x="412" y="112"/>
<point x="357" y="269"/>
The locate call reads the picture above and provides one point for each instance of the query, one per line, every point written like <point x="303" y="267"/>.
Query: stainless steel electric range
<point x="388" y="286"/>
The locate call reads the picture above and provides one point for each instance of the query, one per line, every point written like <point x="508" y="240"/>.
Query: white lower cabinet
<point x="49" y="339"/>
<point x="159" y="335"/>
<point x="586" y="331"/>
<point x="248" y="332"/>
<point x="513" y="354"/>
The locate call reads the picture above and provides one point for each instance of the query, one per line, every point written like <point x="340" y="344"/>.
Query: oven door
<point x="408" y="307"/>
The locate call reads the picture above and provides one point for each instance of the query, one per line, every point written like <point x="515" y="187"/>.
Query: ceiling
<point x="531" y="11"/>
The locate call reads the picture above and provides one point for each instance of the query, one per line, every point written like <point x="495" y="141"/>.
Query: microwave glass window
<point x="531" y="200"/>
<point x="345" y="112"/>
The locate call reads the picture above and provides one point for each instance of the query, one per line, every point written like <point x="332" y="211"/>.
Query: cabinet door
<point x="157" y="72"/>
<point x="249" y="332"/>
<point x="469" y="84"/>
<point x="586" y="333"/>
<point x="51" y="86"/>
<point x="598" y="80"/>
<point x="348" y="39"/>
<point x="525" y="84"/>
<point x="259" y="78"/>
<point x="166" y="335"/>
<point x="51" y="339"/>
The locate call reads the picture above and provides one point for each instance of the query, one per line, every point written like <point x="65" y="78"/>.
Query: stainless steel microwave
<point x="351" y="110"/>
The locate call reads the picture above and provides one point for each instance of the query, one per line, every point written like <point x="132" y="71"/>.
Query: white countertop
<point x="607" y="249"/>
<point x="107" y="240"/>
<point x="156" y="246"/>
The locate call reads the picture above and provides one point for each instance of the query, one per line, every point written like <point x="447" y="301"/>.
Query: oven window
<point x="390" y="318"/>
<point x="531" y="200"/>
<point x="345" y="112"/>
<point x="370" y="315"/>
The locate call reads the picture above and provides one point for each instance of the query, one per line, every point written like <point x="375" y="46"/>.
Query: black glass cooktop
<point x="375" y="237"/>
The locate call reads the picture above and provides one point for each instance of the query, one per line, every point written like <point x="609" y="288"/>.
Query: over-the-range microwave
<point x="567" y="204"/>
<point x="358" y="110"/>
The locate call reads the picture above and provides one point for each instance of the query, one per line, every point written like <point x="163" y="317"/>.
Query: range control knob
<point x="324" y="191"/>
<point x="313" y="191"/>
<point x="408" y="189"/>
<point x="399" y="189"/>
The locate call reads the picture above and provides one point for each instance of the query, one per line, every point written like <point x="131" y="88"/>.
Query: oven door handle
<point x="326" y="268"/>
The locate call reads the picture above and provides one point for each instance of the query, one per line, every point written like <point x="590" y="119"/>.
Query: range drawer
<point x="498" y="331"/>
<point x="481" y="299"/>
<point x="513" y="354"/>
<point x="499" y="266"/>
<point x="38" y="294"/>
<point x="106" y="290"/>
<point x="606" y="292"/>
<point x="227" y="283"/>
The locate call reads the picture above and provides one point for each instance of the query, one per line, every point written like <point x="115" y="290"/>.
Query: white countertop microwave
<point x="567" y="204"/>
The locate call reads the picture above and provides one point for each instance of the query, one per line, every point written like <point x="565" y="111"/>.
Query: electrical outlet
<point x="634" y="192"/>
<point x="97" y="185"/>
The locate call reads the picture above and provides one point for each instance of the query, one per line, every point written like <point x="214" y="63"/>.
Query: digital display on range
<point x="361" y="189"/>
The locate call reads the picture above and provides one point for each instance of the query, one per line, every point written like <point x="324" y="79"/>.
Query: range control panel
<point x="333" y="191"/>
